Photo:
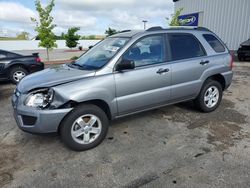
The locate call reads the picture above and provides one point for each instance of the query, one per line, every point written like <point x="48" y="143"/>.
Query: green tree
<point x="72" y="37"/>
<point x="110" y="32"/>
<point x="62" y="36"/>
<point x="91" y="37"/>
<point x="23" y="36"/>
<point x="174" y="21"/>
<point x="45" y="26"/>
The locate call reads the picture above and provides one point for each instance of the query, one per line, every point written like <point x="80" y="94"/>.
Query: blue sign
<point x="189" y="19"/>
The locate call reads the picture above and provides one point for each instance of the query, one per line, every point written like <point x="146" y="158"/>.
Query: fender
<point x="217" y="69"/>
<point x="15" y="63"/>
<point x="97" y="88"/>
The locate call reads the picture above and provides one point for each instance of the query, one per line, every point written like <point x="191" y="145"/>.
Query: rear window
<point x="2" y="55"/>
<point x="185" y="46"/>
<point x="11" y="55"/>
<point x="214" y="43"/>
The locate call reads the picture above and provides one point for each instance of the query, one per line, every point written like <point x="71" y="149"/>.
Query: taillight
<point x="38" y="59"/>
<point x="232" y="62"/>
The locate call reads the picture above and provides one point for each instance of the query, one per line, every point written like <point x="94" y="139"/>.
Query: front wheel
<point x="210" y="96"/>
<point x="84" y="128"/>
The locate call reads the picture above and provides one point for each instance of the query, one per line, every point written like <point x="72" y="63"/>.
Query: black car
<point x="14" y="66"/>
<point x="244" y="50"/>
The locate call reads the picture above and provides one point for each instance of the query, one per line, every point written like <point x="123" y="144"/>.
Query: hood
<point x="246" y="43"/>
<point x="51" y="77"/>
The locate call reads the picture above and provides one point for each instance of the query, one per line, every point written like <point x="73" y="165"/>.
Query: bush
<point x="74" y="58"/>
<point x="71" y="37"/>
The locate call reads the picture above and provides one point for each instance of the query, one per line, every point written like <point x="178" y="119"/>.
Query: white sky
<point x="92" y="16"/>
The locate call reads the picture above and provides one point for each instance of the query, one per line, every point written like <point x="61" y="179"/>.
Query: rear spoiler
<point x="35" y="54"/>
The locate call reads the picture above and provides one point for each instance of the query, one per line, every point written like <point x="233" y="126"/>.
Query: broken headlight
<point x="40" y="99"/>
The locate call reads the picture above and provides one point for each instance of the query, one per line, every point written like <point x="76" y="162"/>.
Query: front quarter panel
<point x="94" y="88"/>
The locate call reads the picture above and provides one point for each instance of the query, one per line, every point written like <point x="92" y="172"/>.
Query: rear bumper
<point x="36" y="67"/>
<point x="228" y="76"/>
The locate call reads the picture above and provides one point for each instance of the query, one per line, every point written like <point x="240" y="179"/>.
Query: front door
<point x="147" y="85"/>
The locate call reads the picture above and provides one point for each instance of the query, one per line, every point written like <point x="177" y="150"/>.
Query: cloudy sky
<point x="92" y="16"/>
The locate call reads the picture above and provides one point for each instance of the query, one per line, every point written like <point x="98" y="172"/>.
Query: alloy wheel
<point x="86" y="129"/>
<point x="211" y="96"/>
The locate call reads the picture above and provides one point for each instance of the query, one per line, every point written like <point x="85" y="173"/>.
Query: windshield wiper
<point x="83" y="67"/>
<point x="75" y="65"/>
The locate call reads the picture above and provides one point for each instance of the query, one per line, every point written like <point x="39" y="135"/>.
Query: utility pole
<point x="144" y="24"/>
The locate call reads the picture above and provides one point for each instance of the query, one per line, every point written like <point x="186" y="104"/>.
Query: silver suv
<point x="127" y="73"/>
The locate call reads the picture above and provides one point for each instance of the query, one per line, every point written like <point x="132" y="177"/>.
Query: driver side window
<point x="147" y="51"/>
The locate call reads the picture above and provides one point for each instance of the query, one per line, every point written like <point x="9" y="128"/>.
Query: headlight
<point x="40" y="98"/>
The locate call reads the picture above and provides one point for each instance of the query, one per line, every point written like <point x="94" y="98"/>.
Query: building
<point x="229" y="19"/>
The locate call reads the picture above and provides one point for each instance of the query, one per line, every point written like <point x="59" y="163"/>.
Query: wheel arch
<point x="17" y="64"/>
<point x="219" y="78"/>
<point x="98" y="102"/>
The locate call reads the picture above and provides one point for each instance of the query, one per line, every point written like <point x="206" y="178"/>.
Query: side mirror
<point x="125" y="65"/>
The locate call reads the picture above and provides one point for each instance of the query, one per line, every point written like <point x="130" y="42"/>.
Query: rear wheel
<point x="210" y="96"/>
<point x="84" y="128"/>
<point x="17" y="74"/>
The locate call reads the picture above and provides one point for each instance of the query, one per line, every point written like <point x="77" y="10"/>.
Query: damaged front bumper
<point x="35" y="120"/>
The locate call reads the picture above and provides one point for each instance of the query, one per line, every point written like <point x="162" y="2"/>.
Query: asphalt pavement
<point x="174" y="146"/>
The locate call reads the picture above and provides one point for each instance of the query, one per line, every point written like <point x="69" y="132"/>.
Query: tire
<point x="17" y="74"/>
<point x="83" y="130"/>
<point x="207" y="105"/>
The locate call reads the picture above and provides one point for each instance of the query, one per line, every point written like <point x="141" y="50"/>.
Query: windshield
<point x="101" y="54"/>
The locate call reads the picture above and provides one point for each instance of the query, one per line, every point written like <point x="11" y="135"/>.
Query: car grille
<point x="245" y="48"/>
<point x="1" y="66"/>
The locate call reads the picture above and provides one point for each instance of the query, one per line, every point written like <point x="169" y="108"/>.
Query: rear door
<point x="149" y="83"/>
<point x="189" y="61"/>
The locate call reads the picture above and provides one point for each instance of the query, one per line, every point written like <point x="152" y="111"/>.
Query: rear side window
<point x="185" y="46"/>
<point x="214" y="43"/>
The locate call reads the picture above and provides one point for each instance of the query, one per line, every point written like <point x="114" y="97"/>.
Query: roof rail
<point x="190" y="27"/>
<point x="202" y="28"/>
<point x="124" y="31"/>
<point x="155" y="28"/>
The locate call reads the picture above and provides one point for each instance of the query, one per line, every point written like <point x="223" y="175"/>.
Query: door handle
<point x="204" y="62"/>
<point x="161" y="71"/>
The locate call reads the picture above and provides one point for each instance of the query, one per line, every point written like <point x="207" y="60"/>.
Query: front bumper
<point x="35" y="120"/>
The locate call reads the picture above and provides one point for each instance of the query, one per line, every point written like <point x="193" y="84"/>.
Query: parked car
<point x="14" y="66"/>
<point x="124" y="74"/>
<point x="244" y="50"/>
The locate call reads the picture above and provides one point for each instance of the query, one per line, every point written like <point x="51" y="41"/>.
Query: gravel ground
<point x="175" y="146"/>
